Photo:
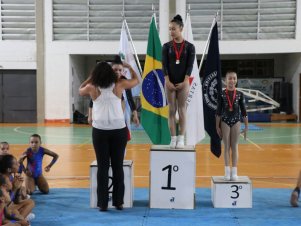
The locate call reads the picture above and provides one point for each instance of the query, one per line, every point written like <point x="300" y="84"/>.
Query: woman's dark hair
<point x="178" y="20"/>
<point x="103" y="75"/>
<point x="117" y="60"/>
<point x="6" y="162"/>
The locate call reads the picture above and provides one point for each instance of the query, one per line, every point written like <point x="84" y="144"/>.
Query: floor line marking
<point x="250" y="141"/>
<point x="17" y="130"/>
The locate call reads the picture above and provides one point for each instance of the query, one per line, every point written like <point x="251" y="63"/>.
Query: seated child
<point x="33" y="171"/>
<point x="4" y="148"/>
<point x="7" y="216"/>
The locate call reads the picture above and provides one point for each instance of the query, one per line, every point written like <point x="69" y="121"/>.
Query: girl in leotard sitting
<point x="34" y="169"/>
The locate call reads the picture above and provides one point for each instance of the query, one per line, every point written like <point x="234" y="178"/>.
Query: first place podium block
<point x="172" y="177"/>
<point x="231" y="194"/>
<point x="128" y="183"/>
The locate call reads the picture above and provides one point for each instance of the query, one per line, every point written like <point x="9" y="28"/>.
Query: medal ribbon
<point x="233" y="98"/>
<point x="178" y="53"/>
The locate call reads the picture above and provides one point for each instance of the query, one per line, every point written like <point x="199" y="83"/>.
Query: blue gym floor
<point x="70" y="207"/>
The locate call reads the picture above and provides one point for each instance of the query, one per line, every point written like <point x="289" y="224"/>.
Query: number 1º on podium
<point x="170" y="168"/>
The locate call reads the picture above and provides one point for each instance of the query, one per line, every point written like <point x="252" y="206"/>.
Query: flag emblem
<point x="210" y="90"/>
<point x="153" y="88"/>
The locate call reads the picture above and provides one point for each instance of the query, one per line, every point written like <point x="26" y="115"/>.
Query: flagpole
<point x="135" y="52"/>
<point x="154" y="15"/>
<point x="188" y="12"/>
<point x="207" y="43"/>
<point x="187" y="15"/>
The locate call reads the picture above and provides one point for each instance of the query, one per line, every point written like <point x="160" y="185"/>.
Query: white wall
<point x="58" y="101"/>
<point x="17" y="55"/>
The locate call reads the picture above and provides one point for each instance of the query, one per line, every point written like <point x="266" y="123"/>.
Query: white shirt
<point x="107" y="113"/>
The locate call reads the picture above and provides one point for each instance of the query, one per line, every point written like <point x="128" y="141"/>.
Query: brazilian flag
<point x="154" y="113"/>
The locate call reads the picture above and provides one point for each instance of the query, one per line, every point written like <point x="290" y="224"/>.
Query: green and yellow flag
<point x="154" y="113"/>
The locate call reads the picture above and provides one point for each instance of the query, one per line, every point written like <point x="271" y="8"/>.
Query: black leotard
<point x="177" y="72"/>
<point x="227" y="116"/>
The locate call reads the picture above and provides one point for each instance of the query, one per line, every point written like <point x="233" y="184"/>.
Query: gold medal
<point x="177" y="61"/>
<point x="230" y="109"/>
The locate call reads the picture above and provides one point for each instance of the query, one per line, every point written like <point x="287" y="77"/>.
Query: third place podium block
<point x="231" y="194"/>
<point x="172" y="177"/>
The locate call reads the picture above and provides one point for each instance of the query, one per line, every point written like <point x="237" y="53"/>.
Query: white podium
<point x="231" y="194"/>
<point x="172" y="177"/>
<point x="128" y="183"/>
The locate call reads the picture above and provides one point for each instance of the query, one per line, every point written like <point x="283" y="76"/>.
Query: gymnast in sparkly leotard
<point x="34" y="169"/>
<point x="231" y="105"/>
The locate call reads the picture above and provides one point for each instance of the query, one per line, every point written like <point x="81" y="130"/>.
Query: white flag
<point x="195" y="130"/>
<point x="127" y="54"/>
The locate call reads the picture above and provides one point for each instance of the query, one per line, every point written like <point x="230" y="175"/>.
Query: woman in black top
<point x="231" y="105"/>
<point x="177" y="59"/>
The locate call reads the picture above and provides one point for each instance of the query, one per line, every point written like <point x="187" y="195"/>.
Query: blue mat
<point x="251" y="127"/>
<point x="70" y="207"/>
<point x="135" y="127"/>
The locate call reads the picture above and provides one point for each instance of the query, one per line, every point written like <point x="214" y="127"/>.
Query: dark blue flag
<point x="212" y="87"/>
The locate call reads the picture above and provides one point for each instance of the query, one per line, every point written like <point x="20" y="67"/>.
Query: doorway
<point x="18" y="96"/>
